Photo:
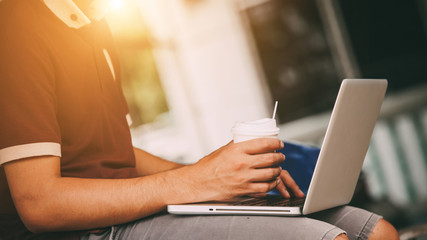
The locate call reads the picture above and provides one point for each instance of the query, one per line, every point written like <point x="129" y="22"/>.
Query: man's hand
<point x="245" y="168"/>
<point x="286" y="184"/>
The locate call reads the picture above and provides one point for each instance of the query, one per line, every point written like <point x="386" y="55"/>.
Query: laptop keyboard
<point x="272" y="201"/>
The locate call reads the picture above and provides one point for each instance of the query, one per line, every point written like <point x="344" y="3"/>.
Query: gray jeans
<point x="356" y="223"/>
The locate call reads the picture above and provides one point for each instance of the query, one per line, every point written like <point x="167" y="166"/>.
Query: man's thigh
<point x="358" y="223"/>
<point x="168" y="226"/>
<point x="324" y="225"/>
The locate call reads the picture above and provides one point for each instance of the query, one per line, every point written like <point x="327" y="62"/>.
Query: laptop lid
<point x="345" y="144"/>
<point x="340" y="160"/>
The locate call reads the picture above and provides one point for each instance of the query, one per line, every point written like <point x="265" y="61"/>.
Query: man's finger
<point x="265" y="174"/>
<point x="291" y="184"/>
<point x="263" y="187"/>
<point x="267" y="160"/>
<point x="282" y="189"/>
<point x="260" y="145"/>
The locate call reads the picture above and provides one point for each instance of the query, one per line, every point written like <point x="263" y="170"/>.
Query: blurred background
<point x="192" y="68"/>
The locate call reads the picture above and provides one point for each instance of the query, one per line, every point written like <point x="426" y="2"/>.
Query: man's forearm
<point x="48" y="202"/>
<point x="76" y="203"/>
<point x="147" y="164"/>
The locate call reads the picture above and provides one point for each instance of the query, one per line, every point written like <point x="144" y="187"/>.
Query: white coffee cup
<point x="262" y="128"/>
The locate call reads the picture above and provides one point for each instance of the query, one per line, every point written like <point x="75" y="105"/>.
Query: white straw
<point x="275" y="108"/>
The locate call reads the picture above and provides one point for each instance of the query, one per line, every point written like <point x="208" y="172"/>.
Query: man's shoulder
<point x="22" y="27"/>
<point x="14" y="12"/>
<point x="18" y="16"/>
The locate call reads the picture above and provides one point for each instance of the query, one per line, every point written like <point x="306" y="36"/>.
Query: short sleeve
<point x="28" y="124"/>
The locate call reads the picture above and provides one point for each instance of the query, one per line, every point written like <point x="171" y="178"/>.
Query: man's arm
<point x="148" y="164"/>
<point x="48" y="202"/>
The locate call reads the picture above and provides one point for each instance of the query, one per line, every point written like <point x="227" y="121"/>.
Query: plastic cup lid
<point x="261" y="127"/>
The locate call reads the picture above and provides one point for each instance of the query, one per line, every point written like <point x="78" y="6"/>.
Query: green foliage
<point x="141" y="85"/>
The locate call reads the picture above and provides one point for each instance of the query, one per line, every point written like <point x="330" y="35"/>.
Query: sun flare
<point x="116" y="4"/>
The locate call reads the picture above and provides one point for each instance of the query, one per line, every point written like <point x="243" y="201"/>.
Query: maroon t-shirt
<point x="57" y="89"/>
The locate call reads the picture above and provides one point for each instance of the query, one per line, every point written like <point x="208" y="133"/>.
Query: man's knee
<point x="384" y="230"/>
<point x="341" y="237"/>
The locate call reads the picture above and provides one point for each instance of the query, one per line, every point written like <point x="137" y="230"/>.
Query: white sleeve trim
<point x="29" y="150"/>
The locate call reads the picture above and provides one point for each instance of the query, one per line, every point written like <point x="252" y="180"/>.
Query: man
<point x="68" y="168"/>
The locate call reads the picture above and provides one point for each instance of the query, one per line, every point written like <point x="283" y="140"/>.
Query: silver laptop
<point x="338" y="166"/>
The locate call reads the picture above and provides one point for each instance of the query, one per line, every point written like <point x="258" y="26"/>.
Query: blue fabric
<point x="300" y="162"/>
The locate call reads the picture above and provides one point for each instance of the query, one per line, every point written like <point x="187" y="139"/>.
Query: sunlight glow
<point x="124" y="19"/>
<point x="116" y="4"/>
